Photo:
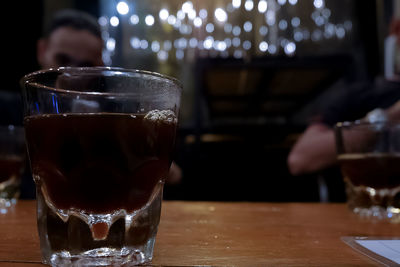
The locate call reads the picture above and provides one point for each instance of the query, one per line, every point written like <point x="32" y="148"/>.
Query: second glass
<point x="369" y="155"/>
<point x="100" y="142"/>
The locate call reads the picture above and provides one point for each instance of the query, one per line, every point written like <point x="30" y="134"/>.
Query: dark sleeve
<point x="348" y="105"/>
<point x="10" y="108"/>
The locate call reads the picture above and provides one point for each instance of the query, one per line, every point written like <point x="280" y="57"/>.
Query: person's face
<point x="70" y="47"/>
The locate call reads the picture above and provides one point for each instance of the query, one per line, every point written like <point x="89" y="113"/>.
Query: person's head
<point x="73" y="38"/>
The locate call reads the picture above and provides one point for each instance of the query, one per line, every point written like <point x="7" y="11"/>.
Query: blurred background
<point x="255" y="73"/>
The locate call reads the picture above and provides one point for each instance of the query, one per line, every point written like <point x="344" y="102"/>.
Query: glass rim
<point x="27" y="79"/>
<point x="361" y="123"/>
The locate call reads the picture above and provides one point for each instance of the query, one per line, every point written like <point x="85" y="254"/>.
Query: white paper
<point x="389" y="249"/>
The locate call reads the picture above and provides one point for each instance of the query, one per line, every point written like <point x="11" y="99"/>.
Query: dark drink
<point x="99" y="163"/>
<point x="378" y="171"/>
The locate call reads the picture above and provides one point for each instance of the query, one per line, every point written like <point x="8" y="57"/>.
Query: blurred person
<point x="315" y="150"/>
<point x="73" y="38"/>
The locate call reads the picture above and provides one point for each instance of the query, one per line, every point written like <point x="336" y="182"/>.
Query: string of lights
<point x="236" y="28"/>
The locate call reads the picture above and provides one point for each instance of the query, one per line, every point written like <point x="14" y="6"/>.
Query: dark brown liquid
<point x="373" y="170"/>
<point x="99" y="162"/>
<point x="10" y="166"/>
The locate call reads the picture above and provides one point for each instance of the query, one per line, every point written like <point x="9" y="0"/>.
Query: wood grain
<point x="226" y="234"/>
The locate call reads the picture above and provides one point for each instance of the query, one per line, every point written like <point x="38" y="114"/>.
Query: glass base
<point x="128" y="240"/>
<point x="374" y="204"/>
<point x="9" y="193"/>
<point x="378" y="213"/>
<point x="100" y="257"/>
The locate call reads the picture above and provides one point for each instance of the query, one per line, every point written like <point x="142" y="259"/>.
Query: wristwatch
<point x="376" y="115"/>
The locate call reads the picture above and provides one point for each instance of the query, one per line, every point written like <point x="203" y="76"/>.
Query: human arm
<point x="175" y="174"/>
<point x="393" y="112"/>
<point x="315" y="150"/>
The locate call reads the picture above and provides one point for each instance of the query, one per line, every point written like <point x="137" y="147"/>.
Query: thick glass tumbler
<point x="100" y="142"/>
<point x="369" y="155"/>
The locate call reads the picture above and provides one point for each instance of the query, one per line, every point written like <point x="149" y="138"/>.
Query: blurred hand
<point x="393" y="112"/>
<point x="174" y="175"/>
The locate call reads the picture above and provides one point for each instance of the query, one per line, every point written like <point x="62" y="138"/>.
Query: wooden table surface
<point x="226" y="234"/>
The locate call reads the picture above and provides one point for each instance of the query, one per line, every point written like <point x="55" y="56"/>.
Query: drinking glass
<point x="12" y="164"/>
<point x="100" y="142"/>
<point x="369" y="156"/>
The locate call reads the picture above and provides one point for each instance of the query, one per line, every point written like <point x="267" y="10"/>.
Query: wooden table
<point x="225" y="234"/>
